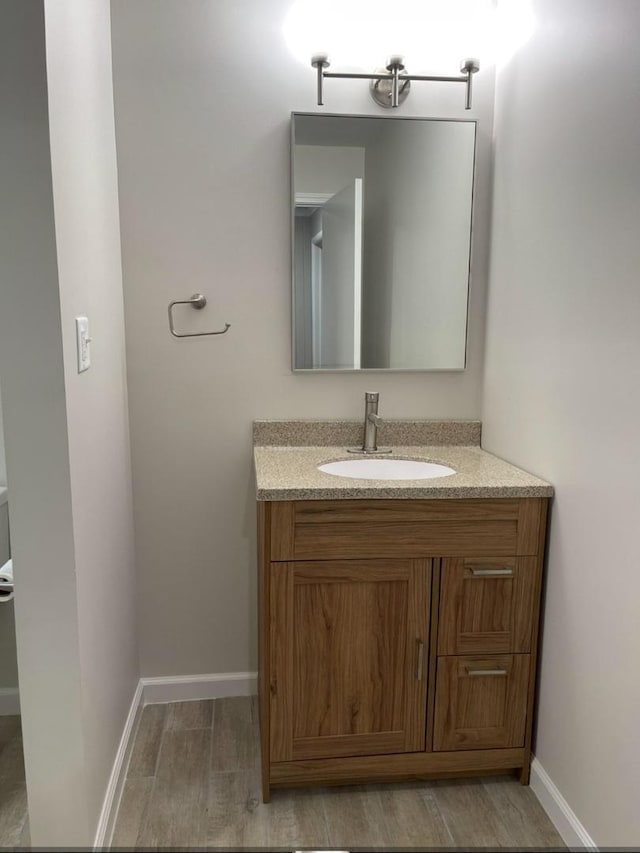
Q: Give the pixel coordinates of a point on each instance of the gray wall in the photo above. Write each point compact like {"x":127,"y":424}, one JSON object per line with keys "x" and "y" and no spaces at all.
{"x":85,"y":192}
{"x":35,"y":425}
{"x":3,"y":464}
{"x":9,"y":660}
{"x":66,"y":435}
{"x":563,"y":372}
{"x":203,"y":98}
{"x":326,"y":169}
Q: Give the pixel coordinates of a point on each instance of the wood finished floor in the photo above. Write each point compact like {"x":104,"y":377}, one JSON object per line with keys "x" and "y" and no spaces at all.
{"x":14,"y":820}
{"x":194,"y":781}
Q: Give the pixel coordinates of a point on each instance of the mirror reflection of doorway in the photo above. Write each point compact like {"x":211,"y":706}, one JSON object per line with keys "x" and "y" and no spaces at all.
{"x":328,"y":262}
{"x":316,"y":298}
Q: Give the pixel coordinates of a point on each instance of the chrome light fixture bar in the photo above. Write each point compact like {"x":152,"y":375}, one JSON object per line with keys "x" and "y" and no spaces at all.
{"x":390,"y":87}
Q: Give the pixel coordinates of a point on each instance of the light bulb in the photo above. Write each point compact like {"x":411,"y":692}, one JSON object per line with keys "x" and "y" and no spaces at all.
{"x":431,"y":35}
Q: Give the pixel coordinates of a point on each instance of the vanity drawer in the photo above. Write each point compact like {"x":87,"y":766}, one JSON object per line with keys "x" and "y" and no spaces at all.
{"x":481,"y":702}
{"x":352,"y":529}
{"x":487,"y":604}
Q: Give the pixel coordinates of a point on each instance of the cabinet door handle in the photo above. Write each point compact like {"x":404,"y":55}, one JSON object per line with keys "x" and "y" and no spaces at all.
{"x":477,"y":572}
{"x":497,"y":671}
{"x":419,"y":659}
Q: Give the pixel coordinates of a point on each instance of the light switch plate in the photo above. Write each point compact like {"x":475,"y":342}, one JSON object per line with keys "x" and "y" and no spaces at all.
{"x":84,"y":341}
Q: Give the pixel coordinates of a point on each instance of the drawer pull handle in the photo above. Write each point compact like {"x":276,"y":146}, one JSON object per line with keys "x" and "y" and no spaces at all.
{"x":498,"y":671}
{"x":419,"y":659}
{"x":491,"y":573}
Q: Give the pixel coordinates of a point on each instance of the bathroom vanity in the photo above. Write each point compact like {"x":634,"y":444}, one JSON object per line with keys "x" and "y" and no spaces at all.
{"x":398,"y":620}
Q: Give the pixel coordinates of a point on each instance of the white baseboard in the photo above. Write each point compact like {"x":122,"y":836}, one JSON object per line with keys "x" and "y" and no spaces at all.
{"x":9,"y":701}
{"x":560,"y":812}
{"x":113,"y":795}
{"x":184,"y":688}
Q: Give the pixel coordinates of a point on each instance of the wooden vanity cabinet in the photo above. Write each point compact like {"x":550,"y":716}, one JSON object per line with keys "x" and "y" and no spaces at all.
{"x":397,"y":638}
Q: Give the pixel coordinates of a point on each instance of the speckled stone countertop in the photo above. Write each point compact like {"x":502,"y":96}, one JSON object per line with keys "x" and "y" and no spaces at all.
{"x":286,"y":473}
{"x":334,"y":433}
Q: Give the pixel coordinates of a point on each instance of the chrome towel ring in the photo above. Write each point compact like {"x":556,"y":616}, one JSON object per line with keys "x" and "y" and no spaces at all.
{"x":196,"y":301}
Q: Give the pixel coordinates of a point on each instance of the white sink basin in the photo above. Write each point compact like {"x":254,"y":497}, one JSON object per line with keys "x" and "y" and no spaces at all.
{"x":386,"y":469}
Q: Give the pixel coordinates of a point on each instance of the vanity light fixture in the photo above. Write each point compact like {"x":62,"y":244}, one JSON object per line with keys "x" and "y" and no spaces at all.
{"x":390,"y":87}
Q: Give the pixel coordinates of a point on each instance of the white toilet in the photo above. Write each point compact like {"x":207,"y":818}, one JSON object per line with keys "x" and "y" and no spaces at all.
{"x":6,"y":565}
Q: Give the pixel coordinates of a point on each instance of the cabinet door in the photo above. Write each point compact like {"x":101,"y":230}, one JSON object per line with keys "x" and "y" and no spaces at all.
{"x":487,"y":604}
{"x":348,"y":657}
{"x":481,"y":703}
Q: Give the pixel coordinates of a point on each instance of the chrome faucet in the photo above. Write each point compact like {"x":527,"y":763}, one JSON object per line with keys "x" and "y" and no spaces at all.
{"x":372,"y":421}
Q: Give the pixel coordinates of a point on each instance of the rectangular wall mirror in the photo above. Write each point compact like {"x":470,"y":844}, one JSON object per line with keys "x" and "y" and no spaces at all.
{"x":381,"y":224}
